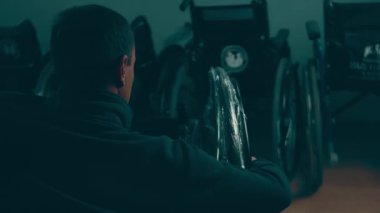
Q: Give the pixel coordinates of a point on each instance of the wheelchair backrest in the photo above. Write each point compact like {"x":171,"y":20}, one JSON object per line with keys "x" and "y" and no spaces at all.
{"x":352,"y":34}
{"x":20,"y":56}
{"x":232,"y":29}
{"x":19,"y":45}
{"x":145,"y":52}
{"x":230,"y":23}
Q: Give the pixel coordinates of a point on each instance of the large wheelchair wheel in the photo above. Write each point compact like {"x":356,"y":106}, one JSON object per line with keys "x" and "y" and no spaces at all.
{"x":225,"y":115}
{"x":310,"y":137}
{"x":285,"y":118}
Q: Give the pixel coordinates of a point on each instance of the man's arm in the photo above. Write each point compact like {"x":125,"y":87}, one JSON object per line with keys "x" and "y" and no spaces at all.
{"x":216,"y":187}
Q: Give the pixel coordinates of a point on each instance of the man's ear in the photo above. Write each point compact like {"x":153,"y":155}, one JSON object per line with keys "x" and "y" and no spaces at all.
{"x":123,"y":69}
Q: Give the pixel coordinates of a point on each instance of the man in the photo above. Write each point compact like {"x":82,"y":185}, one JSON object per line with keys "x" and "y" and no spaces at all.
{"x":75,"y":153}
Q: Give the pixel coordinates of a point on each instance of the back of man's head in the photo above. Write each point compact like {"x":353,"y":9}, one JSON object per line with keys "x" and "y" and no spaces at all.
{"x":88,"y":44}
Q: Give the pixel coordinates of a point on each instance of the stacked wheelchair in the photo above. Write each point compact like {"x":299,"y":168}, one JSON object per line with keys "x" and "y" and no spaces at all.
{"x":222,"y":62}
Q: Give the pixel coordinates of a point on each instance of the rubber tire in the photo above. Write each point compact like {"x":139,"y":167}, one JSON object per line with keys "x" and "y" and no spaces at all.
{"x":285,"y":144}
{"x":310,"y":138}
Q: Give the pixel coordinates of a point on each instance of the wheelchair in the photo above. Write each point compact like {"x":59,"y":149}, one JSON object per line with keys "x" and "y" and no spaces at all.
{"x":347,"y":60}
{"x":20,"y":57}
{"x":276,"y":94}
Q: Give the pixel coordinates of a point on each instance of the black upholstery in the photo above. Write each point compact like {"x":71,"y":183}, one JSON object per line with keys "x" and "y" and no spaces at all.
{"x":20,"y":57}
{"x":352,"y":34}
{"x":145,"y":52}
{"x":245,"y":27}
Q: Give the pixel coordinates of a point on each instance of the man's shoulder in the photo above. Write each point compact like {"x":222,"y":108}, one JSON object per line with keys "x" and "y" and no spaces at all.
{"x":14,"y":97}
{"x":17,"y":104}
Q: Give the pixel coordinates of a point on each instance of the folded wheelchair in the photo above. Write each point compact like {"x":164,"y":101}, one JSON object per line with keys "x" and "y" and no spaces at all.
{"x":348,"y":59}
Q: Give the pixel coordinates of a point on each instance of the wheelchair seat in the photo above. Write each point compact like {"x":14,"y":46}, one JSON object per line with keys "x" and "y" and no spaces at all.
{"x":20,"y":57}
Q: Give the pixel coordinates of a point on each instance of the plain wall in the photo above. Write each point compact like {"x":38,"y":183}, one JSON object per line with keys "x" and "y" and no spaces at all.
{"x":165,"y":17}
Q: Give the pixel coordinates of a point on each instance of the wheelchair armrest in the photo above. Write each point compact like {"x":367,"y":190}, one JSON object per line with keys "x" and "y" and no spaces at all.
{"x":313,"y":30}
{"x":281,"y":38}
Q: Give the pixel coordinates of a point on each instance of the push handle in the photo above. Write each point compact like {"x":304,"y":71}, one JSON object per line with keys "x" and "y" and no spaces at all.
{"x":313,"y":30}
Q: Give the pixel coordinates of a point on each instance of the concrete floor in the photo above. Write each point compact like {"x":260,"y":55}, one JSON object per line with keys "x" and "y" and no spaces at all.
{"x":353,"y":185}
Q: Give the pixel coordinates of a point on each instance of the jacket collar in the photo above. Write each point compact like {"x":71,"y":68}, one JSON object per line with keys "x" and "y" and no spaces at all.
{"x":99,"y":106}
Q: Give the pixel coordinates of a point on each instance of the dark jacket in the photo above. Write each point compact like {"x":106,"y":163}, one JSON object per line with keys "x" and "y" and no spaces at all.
{"x":82,"y":157}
